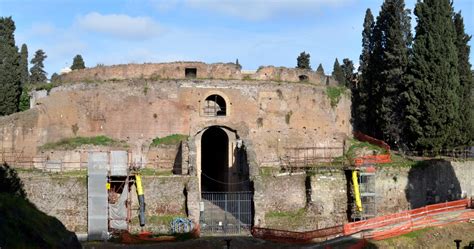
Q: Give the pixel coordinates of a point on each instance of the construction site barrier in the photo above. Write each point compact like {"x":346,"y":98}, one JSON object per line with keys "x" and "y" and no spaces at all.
{"x":372,"y":159}
{"x":366,"y":138}
{"x":392,"y":225}
{"x":297,"y":237}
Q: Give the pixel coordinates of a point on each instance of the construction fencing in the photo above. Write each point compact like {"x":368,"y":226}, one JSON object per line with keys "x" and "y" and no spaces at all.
{"x":392,"y":225}
{"x":297,"y":237}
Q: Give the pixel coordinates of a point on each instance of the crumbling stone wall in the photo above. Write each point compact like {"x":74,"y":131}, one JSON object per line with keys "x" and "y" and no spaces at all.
{"x":432,"y":182}
{"x":64,"y":197}
{"x":176,"y":70}
{"x":271,"y":116}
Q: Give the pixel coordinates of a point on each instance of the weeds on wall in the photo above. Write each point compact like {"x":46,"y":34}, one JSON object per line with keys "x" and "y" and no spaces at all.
{"x":288,"y":117}
{"x":76,"y":142}
{"x":173,"y":139}
{"x":335,"y":93}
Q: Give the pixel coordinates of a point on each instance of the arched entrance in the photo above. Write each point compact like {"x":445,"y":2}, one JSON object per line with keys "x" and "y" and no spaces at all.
{"x":226,"y":200}
{"x":214,"y":160}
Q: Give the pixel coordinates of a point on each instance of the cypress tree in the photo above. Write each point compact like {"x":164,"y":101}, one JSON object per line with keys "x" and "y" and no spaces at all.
{"x":432,"y":108}
{"x":466,"y":83}
{"x":389,"y":63}
{"x":348,"y":71}
{"x":320,"y":69}
{"x":338,"y":74}
{"x":38,"y":75}
{"x":24,"y":65}
{"x":362,"y":89}
{"x":303,"y":61}
{"x":78,"y":63}
{"x":10,"y":81}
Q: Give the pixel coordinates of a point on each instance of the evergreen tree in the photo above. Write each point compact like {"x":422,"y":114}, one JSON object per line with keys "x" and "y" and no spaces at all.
{"x":338,"y":74}
{"x":320,"y":69}
{"x":25,"y":76}
{"x":54,"y":78}
{"x":238,"y":64}
{"x":361,"y":91}
{"x":78,"y":63}
{"x":10,"y":80}
{"x":24,"y":100}
{"x":38,"y":75}
{"x":466,"y":83}
{"x":388,"y":66}
{"x":432,"y":109}
{"x":348,"y":70}
{"x":303,"y":61}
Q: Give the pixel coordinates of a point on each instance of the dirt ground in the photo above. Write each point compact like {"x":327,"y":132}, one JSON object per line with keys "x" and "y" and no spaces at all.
{"x":219,"y":243}
{"x":440,"y":237}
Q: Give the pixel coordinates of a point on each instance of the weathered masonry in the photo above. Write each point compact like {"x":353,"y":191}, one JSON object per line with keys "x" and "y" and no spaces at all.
{"x":236,"y":132}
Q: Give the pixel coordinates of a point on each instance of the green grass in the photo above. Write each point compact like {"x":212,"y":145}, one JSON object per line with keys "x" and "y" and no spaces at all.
{"x":173,"y":139}
{"x":45,"y":86}
{"x":155,"y":172}
{"x":417,"y":233}
{"x":76,"y":142}
{"x":357,"y":146}
{"x":267,"y":171}
{"x":286,"y":214}
{"x":335,"y":93}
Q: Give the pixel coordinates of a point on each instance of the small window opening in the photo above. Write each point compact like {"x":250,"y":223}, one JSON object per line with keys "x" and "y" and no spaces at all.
{"x":190,"y":73}
{"x":214,"y":106}
{"x":303,"y":77}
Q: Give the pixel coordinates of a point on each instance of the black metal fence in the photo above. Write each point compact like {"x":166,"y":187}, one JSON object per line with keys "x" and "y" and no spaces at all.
{"x":228,"y":213}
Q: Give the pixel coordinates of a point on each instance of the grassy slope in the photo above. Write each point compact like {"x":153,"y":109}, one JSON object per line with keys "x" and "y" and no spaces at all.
{"x":437,"y":237}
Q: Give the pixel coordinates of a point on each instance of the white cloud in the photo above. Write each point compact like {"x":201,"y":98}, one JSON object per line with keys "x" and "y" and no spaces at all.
{"x":121,"y":26}
{"x":255,"y":10}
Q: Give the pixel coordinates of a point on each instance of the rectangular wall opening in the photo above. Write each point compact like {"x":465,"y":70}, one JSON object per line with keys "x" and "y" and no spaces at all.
{"x":190,"y":73}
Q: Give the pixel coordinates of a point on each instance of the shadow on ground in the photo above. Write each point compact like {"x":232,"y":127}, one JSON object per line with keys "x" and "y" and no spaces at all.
{"x":236,"y":243}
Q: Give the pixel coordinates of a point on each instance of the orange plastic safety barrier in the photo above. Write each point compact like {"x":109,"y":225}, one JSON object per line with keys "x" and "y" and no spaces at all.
{"x":366,"y":138}
{"x":372,"y":159}
{"x":392,"y":225}
{"x":296,"y":237}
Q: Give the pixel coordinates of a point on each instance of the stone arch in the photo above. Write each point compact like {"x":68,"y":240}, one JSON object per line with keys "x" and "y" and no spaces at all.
{"x":215,"y":104}
{"x":234,"y":143}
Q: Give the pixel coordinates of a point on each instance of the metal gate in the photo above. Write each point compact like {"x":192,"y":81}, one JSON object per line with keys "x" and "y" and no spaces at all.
{"x":226,"y":213}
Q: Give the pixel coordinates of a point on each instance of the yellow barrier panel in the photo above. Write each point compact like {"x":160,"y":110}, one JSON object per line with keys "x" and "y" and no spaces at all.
{"x":138,"y":182}
{"x":356,"y":191}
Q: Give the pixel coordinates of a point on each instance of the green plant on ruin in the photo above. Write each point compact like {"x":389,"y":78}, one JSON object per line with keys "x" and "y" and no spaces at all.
{"x":43,"y":86}
{"x":335,"y":93}
{"x":155,"y":172}
{"x":288,"y":117}
{"x":172,"y":139}
{"x":75,"y":129}
{"x":145,"y":89}
{"x":357,"y":146}
{"x":76,"y":142}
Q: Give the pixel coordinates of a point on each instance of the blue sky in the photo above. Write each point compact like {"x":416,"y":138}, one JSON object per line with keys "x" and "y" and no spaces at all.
{"x":257,"y":32}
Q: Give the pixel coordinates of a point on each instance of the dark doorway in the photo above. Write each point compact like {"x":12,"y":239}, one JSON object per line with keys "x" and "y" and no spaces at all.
{"x":303,"y":78}
{"x":190,"y":73}
{"x":214,"y":160}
